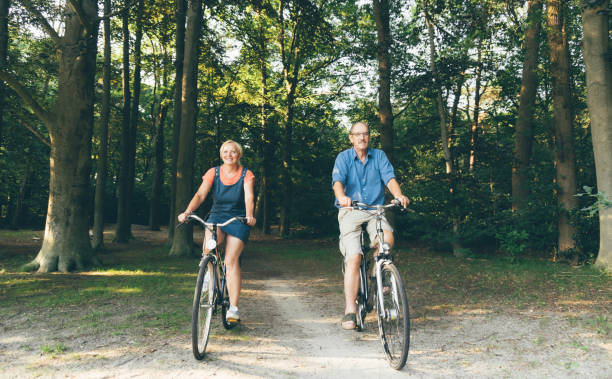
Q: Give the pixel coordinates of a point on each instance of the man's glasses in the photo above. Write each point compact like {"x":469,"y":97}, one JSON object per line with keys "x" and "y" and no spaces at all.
{"x":365,"y":134}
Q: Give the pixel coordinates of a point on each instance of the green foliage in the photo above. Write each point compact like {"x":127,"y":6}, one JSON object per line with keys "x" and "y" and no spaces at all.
{"x":512,"y":241}
{"x":601,"y":200}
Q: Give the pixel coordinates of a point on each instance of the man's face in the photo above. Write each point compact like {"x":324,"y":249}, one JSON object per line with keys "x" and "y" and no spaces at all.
{"x":360,"y":137}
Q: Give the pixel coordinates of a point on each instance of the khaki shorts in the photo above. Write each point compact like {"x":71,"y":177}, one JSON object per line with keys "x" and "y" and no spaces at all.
{"x":350,"y":221}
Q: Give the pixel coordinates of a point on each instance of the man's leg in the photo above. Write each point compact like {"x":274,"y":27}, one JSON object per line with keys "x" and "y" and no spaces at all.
{"x":351,"y":283}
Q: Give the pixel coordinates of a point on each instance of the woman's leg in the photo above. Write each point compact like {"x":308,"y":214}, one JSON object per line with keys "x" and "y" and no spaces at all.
{"x":233,"y":249}
{"x":208,"y":235}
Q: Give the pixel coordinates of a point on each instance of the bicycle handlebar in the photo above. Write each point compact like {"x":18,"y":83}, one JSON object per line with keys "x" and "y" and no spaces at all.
{"x":204,"y":223}
{"x":394,"y":203}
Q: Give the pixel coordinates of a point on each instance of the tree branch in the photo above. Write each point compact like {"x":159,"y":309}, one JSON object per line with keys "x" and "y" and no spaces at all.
{"x":34,"y":131}
{"x":45,"y":116}
{"x":27,"y":4}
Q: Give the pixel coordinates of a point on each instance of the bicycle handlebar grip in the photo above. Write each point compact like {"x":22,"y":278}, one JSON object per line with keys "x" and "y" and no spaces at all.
{"x":354,"y":203}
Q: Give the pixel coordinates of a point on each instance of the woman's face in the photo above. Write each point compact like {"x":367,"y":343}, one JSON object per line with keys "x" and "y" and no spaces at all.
{"x":230,"y":154}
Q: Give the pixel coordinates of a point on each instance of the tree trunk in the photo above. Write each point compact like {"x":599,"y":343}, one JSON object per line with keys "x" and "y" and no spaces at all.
{"x":122,"y":228}
{"x":98,"y":226}
{"x":599,"y":99}
{"x":158,"y":171}
{"x":385,"y":111}
{"x":266,"y":149}
{"x":443,"y":114}
{"x":178,"y":90}
{"x":17,"y":212}
{"x":565,"y":160}
{"x":182,"y":243}
{"x":4,"y":39}
{"x":135,"y":114}
{"x":66,"y":242}
{"x":291,"y":61}
{"x":475,"y":120}
{"x":523,"y":135}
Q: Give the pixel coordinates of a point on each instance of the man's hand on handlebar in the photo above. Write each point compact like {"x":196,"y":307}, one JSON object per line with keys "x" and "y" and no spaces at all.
{"x":345,"y":201}
{"x":403,"y":200}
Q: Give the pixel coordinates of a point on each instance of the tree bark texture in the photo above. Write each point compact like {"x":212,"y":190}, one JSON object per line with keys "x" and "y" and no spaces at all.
{"x":523,"y":135}
{"x":181,"y":6}
{"x":98,"y":226}
{"x":385,"y":111}
{"x":565,"y":160}
{"x":182,"y":243}
{"x":596,"y":45}
{"x":122,"y":228}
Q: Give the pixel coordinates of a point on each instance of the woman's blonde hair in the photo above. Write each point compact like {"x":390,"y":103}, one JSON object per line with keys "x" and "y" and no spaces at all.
{"x":236,"y":144}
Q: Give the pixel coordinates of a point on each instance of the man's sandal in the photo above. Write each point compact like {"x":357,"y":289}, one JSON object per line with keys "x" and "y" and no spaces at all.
{"x":349,"y":321}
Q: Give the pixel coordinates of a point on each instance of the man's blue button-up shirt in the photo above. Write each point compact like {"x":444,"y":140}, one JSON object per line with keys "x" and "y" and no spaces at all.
{"x":364,"y":182}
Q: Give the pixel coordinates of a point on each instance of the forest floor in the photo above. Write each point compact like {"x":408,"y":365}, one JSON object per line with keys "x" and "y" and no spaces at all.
{"x":131,"y":318}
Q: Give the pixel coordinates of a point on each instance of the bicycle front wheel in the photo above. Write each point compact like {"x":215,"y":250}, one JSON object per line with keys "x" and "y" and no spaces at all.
{"x":203,"y":305}
{"x":394,"y":318}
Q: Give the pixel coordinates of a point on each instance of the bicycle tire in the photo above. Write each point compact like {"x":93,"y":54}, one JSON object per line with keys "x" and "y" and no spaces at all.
{"x":203,"y":307}
{"x":225,"y":304}
{"x":394,"y":319}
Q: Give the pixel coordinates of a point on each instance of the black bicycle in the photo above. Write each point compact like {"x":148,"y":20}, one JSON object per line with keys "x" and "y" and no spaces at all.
{"x":385,"y":291}
{"x":210,"y":290}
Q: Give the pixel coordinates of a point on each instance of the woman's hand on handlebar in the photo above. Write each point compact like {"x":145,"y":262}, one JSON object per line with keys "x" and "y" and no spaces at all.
{"x":183,"y":216}
{"x":250,"y":220}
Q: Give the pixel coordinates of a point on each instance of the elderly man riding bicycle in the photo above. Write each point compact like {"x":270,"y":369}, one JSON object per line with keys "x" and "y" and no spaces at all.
{"x":360,"y":173}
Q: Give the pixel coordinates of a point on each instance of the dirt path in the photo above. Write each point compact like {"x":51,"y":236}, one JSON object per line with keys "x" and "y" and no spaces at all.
{"x":291,"y":329}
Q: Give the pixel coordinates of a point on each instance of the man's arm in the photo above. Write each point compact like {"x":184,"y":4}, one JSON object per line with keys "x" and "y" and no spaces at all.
{"x":343,"y":200}
{"x":396,"y":191}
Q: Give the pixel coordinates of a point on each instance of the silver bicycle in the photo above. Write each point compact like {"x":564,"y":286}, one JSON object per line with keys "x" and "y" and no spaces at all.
{"x":385,"y":291}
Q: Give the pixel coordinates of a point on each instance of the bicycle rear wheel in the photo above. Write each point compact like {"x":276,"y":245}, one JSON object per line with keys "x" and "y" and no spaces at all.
{"x":394,"y":318}
{"x":203,"y":305}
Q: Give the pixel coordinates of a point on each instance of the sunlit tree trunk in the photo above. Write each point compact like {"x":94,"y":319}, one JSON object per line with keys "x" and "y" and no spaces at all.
{"x":178,"y":90}
{"x":182,"y":242}
{"x":595,"y":23}
{"x":385,"y":111}
{"x":523,"y":135}
{"x":565,"y":160}
{"x":266,"y":148}
{"x":122,"y":227}
{"x":98,"y":226}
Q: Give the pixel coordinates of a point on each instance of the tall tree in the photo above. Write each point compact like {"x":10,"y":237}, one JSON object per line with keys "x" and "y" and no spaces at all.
{"x":135,"y":112}
{"x":565,"y":159}
{"x":4,"y":41}
{"x":122,"y":227}
{"x":523,"y":135}
{"x":182,"y":242}
{"x":385,"y":111}
{"x":66,"y":242}
{"x":596,"y":45}
{"x":181,"y":6}
{"x":98,"y":226}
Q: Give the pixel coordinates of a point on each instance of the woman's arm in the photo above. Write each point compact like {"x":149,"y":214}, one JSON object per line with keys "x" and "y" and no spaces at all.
{"x":249,"y":201}
{"x":197,"y":200}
